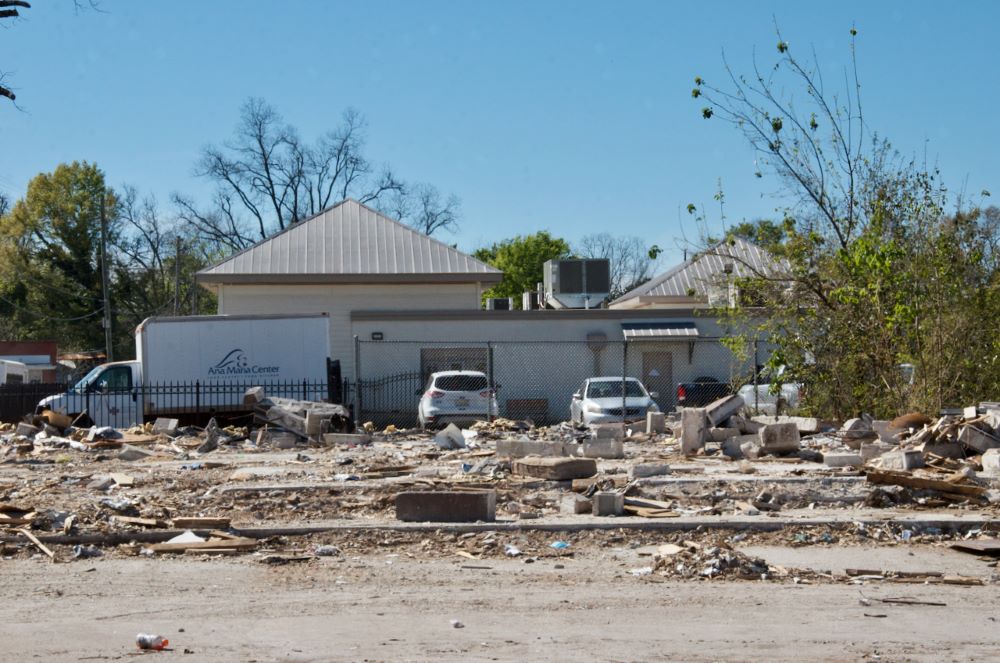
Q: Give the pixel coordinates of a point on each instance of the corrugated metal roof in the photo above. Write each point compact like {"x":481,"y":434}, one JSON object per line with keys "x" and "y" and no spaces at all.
{"x":703,"y":271}
{"x":657,"y":330}
{"x":349,"y":242}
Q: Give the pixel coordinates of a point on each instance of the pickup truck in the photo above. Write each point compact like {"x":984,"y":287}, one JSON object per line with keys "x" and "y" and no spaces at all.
{"x":701,"y":392}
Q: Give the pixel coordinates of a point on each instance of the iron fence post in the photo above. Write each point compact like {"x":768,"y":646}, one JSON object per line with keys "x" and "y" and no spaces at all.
{"x":197,"y":398}
{"x":492,"y":381}
{"x":756,"y":393}
{"x":357,"y":379}
{"x":624,"y":372}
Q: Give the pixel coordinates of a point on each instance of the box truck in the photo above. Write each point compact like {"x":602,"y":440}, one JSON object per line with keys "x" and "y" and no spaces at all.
{"x":193,"y":368}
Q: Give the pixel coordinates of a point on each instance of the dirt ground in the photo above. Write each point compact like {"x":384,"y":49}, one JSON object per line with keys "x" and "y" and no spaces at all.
{"x":396,"y":605}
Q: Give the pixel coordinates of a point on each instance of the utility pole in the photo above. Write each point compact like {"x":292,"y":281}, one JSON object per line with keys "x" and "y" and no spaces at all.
{"x":177,"y":276}
{"x":108,"y":351}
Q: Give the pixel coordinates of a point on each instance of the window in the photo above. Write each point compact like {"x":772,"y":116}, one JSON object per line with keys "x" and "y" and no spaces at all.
{"x":461,"y":383}
{"x":116,"y":378}
{"x":613,"y":389}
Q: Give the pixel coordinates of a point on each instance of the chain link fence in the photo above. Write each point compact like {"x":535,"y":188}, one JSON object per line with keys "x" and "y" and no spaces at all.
{"x":542,"y":380}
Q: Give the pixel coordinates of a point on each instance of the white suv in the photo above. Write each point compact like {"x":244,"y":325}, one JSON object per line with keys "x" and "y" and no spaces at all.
{"x":452,"y":396}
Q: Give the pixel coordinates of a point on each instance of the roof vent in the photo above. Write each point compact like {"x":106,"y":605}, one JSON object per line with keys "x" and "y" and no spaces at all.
{"x":577,"y":283}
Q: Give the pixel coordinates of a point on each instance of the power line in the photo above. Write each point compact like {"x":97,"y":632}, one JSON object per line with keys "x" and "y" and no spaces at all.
{"x":50,"y":318}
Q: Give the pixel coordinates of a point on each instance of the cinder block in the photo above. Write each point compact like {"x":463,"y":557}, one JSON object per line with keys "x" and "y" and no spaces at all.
{"x":903,"y":459}
{"x":721,"y":434}
{"x":991,"y":463}
{"x":857,"y":428}
{"x":27,"y":430}
{"x":608,"y":503}
{"x":600,"y":449}
{"x":842,"y":459}
{"x":871,"y":450}
{"x":656,"y":422}
{"x":555,"y":469}
{"x":780,"y":438}
{"x":733,"y":447}
{"x":976,"y":439}
{"x":720,"y":410}
{"x":643,"y":470}
{"x":447,"y":506}
{"x":576,"y":504}
{"x":607,"y":431}
{"x":694,"y":429}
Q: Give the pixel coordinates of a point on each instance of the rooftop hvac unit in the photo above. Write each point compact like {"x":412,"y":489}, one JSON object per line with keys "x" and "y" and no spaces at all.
{"x":500,"y":304}
{"x":577,"y":283}
{"x":530,"y":300}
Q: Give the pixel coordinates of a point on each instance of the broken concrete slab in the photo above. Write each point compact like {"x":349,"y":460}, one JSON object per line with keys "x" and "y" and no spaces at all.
{"x":347,"y":439}
{"x":752,"y":448}
{"x":27,"y":430}
{"x":100,"y":483}
{"x":977,"y":439}
{"x":806,"y":425}
{"x":645,"y":470}
{"x":902,"y":460}
{"x":576,"y":504}
{"x":694,"y":429}
{"x":733,"y":447}
{"x":555,"y":469}
{"x":943,"y":449}
{"x":165,"y":426}
{"x":608,"y":503}
{"x":718,"y":411}
{"x":842,"y":459}
{"x":780,"y":438}
{"x":129,"y":452}
{"x":447,"y":506}
{"x":746,"y":426}
{"x":656,"y":422}
{"x":857,"y":429}
{"x":526,"y":447}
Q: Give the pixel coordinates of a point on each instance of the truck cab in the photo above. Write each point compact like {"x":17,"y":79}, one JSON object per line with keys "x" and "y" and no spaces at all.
{"x":109,"y":394}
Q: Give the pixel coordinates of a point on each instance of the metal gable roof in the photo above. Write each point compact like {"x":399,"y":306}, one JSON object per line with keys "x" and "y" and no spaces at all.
{"x":702,"y":271}
{"x":349,"y":242}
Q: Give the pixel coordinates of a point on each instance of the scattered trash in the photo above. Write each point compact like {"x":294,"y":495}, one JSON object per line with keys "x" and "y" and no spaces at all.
{"x":511,"y":550}
{"x":151,"y":641}
{"x":457,"y":624}
{"x":86,"y":552}
{"x":559,"y":545}
{"x":327,"y":551}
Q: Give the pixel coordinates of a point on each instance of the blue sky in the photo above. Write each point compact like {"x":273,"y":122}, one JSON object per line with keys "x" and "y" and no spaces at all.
{"x":574,"y":117}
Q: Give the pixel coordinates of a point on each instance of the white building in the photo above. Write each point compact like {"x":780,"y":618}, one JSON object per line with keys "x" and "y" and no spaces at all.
{"x":402,"y":304}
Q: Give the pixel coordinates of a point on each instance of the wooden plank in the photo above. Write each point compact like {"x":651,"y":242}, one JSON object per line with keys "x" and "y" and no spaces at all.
{"x":886,"y":477}
{"x":645,"y":512}
{"x":648,"y":503}
{"x":212,"y":551}
{"x":228,"y":544}
{"x":981,"y":547}
{"x":582,"y":485}
{"x":41,"y":546}
{"x":141,"y":522}
{"x":200,"y":523}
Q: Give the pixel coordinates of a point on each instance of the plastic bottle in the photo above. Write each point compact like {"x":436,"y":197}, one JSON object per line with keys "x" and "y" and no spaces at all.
{"x":151,"y":641}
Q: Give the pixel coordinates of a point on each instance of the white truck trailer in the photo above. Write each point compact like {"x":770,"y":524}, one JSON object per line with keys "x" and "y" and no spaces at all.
{"x":194,"y":367}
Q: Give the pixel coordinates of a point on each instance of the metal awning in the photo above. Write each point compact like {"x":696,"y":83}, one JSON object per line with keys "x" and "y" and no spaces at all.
{"x":658,"y":330}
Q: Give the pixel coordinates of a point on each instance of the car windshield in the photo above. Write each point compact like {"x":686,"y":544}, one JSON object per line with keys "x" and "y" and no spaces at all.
{"x":85,"y":381}
{"x":461,"y":383}
{"x":611,"y":389}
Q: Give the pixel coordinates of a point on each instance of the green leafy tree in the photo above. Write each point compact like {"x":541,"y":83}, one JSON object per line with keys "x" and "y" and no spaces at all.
{"x":521,"y":259}
{"x":50,"y":283}
{"x":873,"y":274}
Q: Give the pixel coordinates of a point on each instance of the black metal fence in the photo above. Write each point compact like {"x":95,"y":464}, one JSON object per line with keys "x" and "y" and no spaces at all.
{"x":538,"y":380}
{"x":190,"y":402}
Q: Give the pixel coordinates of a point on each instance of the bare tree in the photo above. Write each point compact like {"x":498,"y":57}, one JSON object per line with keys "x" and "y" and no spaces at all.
{"x":424,"y":209}
{"x":4,"y":203}
{"x":9,"y":9}
{"x":268,"y":178}
{"x":631,"y":260}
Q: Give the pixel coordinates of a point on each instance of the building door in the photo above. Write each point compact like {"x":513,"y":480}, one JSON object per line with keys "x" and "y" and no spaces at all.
{"x":658,"y":376}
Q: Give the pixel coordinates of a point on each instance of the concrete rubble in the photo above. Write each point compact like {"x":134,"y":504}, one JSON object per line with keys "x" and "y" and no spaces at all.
{"x":299,"y":469}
